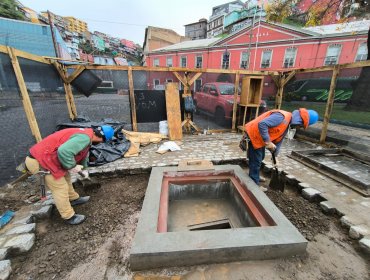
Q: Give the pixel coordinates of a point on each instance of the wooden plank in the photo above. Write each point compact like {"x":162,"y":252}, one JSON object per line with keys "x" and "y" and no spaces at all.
{"x":235,"y":100}
{"x":289,"y":77}
{"x":27,"y":105}
{"x":276,"y":79}
{"x":3,"y":49}
{"x":132,"y":99}
{"x":329,"y":104}
{"x":75,"y":74}
{"x":173,"y":111}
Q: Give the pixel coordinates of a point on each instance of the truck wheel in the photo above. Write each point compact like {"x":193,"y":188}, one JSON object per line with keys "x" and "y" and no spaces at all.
{"x":220,"y":116}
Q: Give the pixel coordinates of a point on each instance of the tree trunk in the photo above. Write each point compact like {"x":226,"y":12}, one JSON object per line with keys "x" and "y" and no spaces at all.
{"x":360,"y":99}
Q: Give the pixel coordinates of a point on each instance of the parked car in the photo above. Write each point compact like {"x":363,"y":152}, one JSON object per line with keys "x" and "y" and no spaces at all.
{"x":217,"y":99}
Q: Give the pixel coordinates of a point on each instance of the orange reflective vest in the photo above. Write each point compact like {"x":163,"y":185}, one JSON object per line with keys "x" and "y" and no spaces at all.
{"x":276,"y":133}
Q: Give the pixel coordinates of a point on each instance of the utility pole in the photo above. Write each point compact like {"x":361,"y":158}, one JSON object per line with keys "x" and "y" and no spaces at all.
{"x":53,"y":34}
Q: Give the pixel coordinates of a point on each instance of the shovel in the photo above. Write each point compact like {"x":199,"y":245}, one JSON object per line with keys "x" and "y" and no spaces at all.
{"x":275,"y":182}
{"x":87,"y":182}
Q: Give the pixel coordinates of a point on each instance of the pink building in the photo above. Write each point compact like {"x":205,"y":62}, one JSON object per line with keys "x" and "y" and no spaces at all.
{"x":270,"y":46}
{"x":267,"y":47}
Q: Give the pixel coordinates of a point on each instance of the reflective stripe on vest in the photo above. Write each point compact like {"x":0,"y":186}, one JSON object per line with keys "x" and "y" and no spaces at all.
{"x":276,"y":133}
{"x":46,"y":151}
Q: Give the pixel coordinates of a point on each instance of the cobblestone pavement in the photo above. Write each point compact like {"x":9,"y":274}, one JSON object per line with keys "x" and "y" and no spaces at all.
{"x":353,"y":208}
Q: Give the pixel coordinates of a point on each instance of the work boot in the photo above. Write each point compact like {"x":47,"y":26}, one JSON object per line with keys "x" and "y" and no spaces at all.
{"x":76,"y":219}
{"x":262,"y":188}
{"x":80,"y":200}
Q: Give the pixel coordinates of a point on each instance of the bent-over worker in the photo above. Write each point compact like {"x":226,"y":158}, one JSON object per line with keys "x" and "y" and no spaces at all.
{"x":268,"y":131}
{"x":63,"y":152}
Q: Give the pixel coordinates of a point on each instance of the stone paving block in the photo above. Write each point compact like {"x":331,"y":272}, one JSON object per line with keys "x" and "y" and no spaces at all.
{"x":2,"y":240}
{"x":346,"y":222}
{"x":43,"y":213}
{"x":5,"y":269}
{"x":19,"y":244}
{"x":3,"y":253}
{"x":310,"y":193}
{"x":365,"y":244}
{"x":327,"y":208}
{"x":357,"y":232}
{"x":26,"y":219}
{"x":28,"y":228}
{"x":304,"y":185}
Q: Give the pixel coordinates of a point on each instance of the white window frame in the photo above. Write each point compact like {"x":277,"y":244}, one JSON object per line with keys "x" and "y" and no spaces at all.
{"x":186,"y":61}
{"x":331,"y":60}
{"x":159,"y":82}
{"x":241,"y":60}
{"x":195,"y":84}
{"x":201,"y":56}
{"x":222,"y":60}
{"x":270,"y":60}
{"x":169,"y":57}
{"x":154,"y":62}
{"x":294,"y":57}
{"x":363,"y":56}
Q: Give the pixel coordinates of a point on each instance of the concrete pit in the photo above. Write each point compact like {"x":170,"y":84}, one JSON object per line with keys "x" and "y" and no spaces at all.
{"x":202,"y":217}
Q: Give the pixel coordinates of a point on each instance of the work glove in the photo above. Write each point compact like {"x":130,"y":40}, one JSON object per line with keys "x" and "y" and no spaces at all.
{"x":270,"y":146}
{"x":76,"y":169}
{"x":85,"y":174}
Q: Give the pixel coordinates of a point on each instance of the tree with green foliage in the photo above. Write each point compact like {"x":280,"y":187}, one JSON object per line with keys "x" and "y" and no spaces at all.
{"x":321,"y":11}
{"x":9,"y":9}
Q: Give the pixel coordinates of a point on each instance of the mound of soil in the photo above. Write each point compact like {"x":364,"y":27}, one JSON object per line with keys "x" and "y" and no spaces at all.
{"x":60,"y":247}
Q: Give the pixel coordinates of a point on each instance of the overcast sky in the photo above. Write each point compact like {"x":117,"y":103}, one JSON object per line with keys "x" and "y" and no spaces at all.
{"x":128,"y":18}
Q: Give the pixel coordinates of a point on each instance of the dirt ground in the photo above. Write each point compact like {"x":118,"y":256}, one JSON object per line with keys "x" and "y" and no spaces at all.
{"x":99,"y":248}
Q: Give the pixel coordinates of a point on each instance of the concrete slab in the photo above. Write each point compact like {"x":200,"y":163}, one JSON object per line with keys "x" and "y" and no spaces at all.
{"x":151,"y":249}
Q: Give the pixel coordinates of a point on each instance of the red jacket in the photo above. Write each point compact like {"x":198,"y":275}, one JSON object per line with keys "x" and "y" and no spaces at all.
{"x":276,"y":133}
{"x":46,"y":151}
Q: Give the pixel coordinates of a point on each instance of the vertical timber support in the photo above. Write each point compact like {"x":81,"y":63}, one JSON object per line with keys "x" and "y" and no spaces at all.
{"x":280,"y":83}
{"x":27,"y":105}
{"x":329,"y":104}
{"x":132,"y":99}
{"x":235,"y":101}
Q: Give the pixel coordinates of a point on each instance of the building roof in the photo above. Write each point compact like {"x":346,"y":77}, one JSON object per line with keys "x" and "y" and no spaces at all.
{"x":347,"y":27}
{"x":189,"y":45}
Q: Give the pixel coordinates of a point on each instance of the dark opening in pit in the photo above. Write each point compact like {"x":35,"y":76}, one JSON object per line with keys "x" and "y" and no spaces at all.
{"x":220,"y":224}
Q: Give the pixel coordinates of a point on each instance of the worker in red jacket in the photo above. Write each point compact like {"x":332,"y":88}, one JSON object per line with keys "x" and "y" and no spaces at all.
{"x":269,"y":130}
{"x":63,"y":152}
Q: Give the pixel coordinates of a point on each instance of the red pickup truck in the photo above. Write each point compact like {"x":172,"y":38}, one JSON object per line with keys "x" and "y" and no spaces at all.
{"x":217,"y":99}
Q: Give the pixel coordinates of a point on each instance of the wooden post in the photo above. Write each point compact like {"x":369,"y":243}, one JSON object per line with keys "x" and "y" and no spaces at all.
{"x":27,"y":105}
{"x":70,"y":101}
{"x":235,"y":100}
{"x":281,"y":82}
{"x":329,"y":104}
{"x":173,"y":111}
{"x":132,"y":99}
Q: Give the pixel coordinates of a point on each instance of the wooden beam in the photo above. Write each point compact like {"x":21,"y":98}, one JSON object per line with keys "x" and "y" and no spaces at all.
{"x":70,"y":101}
{"x":289,"y":77}
{"x":27,"y":105}
{"x":276,"y":79}
{"x":30,"y":56}
{"x":3,"y":49}
{"x":61,"y":73}
{"x":235,"y":100}
{"x":176,"y":69}
{"x":75,"y":74}
{"x":181,"y":79}
{"x":194,"y":78}
{"x":132,"y":99}
{"x":329,"y":104}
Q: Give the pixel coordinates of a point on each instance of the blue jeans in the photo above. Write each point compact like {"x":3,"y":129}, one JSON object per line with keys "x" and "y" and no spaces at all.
{"x":255,"y":157}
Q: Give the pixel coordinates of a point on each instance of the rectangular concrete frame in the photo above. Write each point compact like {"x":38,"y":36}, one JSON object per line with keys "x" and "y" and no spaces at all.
{"x":151,"y":249}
